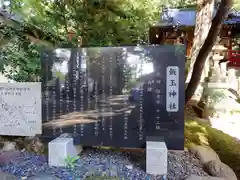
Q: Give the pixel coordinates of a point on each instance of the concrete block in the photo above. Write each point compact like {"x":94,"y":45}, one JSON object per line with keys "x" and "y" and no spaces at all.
{"x":59,"y":149}
{"x":156,"y":158}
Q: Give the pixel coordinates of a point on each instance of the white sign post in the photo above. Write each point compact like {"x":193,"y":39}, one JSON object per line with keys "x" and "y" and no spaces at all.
{"x":20,"y":109}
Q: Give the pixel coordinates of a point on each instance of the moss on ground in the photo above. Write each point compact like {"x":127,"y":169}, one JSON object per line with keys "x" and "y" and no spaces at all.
{"x":226,"y":146}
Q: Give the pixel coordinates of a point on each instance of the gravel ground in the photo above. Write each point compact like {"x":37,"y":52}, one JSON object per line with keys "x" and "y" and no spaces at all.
{"x":128,"y":166}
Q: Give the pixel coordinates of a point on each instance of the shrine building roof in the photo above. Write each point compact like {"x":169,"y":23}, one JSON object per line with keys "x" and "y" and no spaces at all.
{"x":187,"y":16}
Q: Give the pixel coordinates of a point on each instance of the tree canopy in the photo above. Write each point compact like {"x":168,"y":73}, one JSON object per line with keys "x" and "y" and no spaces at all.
{"x":97,"y":22}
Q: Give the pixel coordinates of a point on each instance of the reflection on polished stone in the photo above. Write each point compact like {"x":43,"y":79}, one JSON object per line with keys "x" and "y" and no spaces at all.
{"x":112,"y":95}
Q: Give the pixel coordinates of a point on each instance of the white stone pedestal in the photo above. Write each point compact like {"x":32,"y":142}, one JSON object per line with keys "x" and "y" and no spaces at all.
{"x":59,"y":149}
{"x":156,"y":158}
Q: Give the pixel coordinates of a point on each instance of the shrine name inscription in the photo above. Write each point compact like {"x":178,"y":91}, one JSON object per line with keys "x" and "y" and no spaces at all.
{"x":115,"y":96}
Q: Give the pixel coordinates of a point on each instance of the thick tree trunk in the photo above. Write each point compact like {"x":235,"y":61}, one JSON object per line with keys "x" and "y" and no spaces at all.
{"x":206,"y":47}
{"x":203,"y":23}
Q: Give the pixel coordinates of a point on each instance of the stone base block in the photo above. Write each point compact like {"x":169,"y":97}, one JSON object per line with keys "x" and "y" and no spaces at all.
{"x":156,"y":157}
{"x":59,"y":149}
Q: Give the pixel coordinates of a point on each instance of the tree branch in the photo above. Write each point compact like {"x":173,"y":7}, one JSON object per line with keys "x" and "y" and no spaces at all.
{"x":63,"y":9}
{"x":28,"y":29}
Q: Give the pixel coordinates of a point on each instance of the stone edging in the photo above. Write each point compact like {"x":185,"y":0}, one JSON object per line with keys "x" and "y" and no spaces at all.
{"x":212,"y":163}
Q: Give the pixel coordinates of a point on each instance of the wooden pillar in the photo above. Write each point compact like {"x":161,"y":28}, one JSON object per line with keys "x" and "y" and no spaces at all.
{"x":229,"y":45}
{"x":189,"y":38}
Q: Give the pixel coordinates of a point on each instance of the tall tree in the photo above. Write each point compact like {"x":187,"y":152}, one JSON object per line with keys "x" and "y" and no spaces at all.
{"x":208,"y":43}
{"x":205,"y":9}
{"x":99,"y":23}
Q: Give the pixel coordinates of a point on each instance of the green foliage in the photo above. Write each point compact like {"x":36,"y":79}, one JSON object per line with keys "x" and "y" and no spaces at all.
{"x":71,"y":161}
{"x":99,"y":23}
{"x":232,"y":112}
{"x":236,"y":5}
{"x":20,"y":60}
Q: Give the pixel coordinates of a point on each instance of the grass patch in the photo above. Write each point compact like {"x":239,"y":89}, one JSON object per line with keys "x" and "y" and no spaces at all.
{"x":226,"y":146}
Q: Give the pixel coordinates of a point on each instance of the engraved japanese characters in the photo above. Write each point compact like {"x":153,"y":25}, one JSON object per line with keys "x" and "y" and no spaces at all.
{"x":114,"y":96}
{"x":20,"y":109}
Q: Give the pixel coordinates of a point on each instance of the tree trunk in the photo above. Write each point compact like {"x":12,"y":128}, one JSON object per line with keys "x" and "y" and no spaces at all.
{"x":205,"y":45}
{"x":203,"y":23}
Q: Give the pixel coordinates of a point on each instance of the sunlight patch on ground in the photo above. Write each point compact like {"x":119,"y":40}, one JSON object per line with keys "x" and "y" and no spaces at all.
{"x":229,"y":124}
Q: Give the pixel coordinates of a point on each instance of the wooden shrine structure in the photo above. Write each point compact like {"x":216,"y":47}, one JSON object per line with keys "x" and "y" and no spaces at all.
{"x":177,"y":26}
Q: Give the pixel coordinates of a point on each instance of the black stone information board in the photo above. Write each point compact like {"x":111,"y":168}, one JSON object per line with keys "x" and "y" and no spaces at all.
{"x":114,"y":96}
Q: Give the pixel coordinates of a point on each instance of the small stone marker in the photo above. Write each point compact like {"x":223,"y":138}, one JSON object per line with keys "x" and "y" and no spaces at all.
{"x":59,"y":149}
{"x":156,"y":156}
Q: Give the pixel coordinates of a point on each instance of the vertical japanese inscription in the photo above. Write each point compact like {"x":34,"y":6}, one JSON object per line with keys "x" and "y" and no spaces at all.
{"x":61,"y":107}
{"x":96,"y":125}
{"x":141,"y":120}
{"x":101,"y":90}
{"x":67,"y":91}
{"x":82,"y":86}
{"x":172,"y":89}
{"x":110,"y":94}
{"x":158,"y":102}
{"x":88,"y":74}
{"x":46,"y":92}
{"x":54,"y":107}
{"x":124,"y":58}
{"x":103,"y":94}
{"x":74,"y":81}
